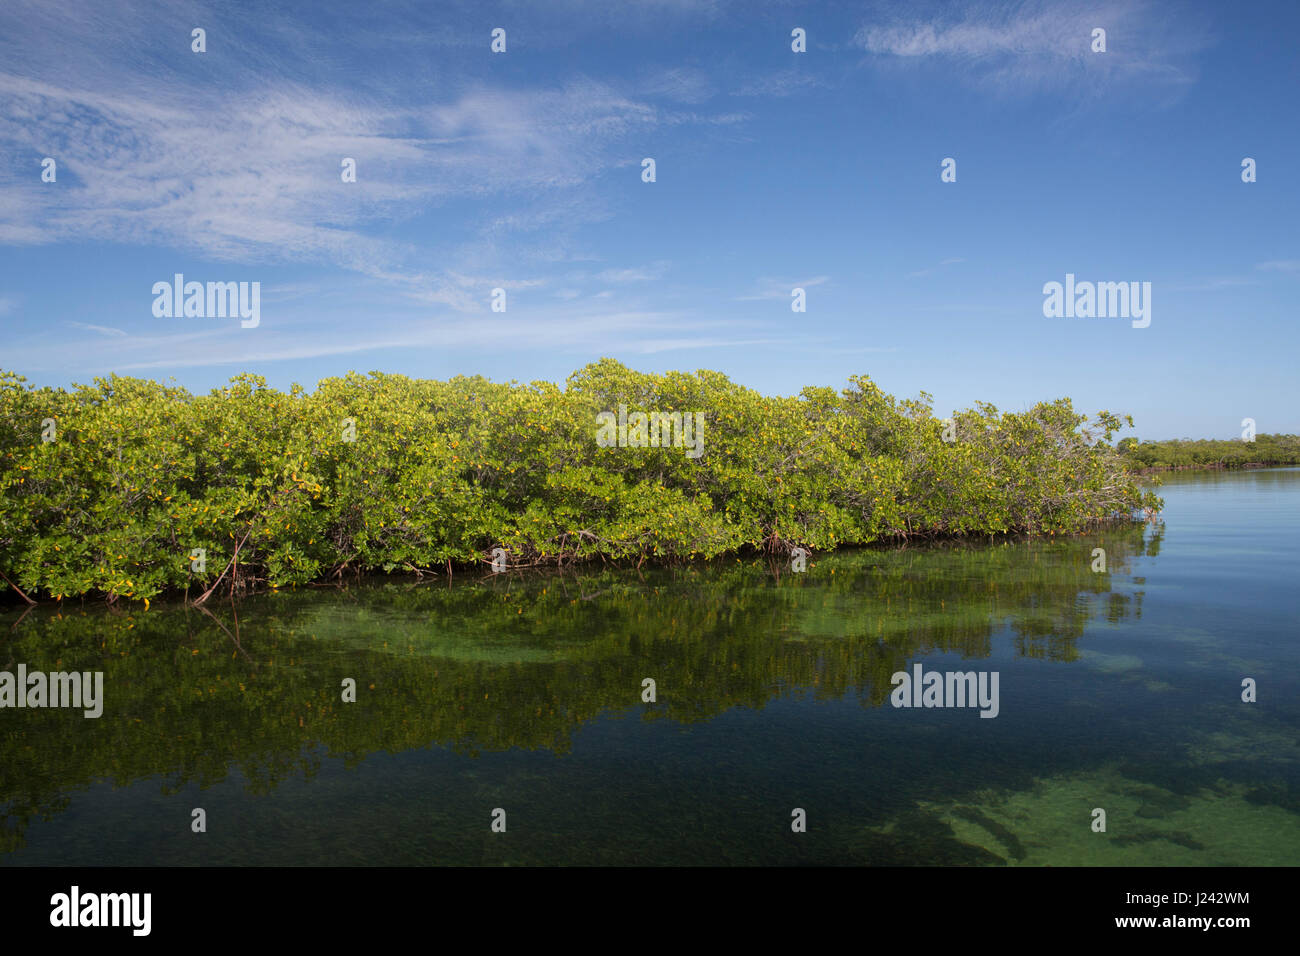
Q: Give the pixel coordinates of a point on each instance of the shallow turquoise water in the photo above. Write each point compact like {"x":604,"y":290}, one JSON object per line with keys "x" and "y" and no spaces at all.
{"x":1118,"y":690}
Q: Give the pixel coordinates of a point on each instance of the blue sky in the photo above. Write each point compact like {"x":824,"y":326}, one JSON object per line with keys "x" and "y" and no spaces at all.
{"x":775,"y":169}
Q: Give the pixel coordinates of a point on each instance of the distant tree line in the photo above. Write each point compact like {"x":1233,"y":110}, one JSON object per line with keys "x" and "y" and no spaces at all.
{"x":1212,"y":453}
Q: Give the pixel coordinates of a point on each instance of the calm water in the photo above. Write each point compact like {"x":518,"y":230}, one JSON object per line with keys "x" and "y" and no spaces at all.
{"x":1119,"y":690}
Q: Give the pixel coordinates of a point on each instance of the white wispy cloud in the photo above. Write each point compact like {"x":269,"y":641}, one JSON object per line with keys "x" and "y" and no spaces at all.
{"x":101,"y":329}
{"x":201,"y":343}
{"x":143,"y":172}
{"x":1280,"y":265}
{"x":1215,"y":283}
{"x":1218,"y":283}
{"x":641,"y":274}
{"x":651,"y":346}
{"x":781,"y":288}
{"x":681,"y":83}
{"x":933,"y":269}
{"x":789,"y":82}
{"x":243,"y":165}
{"x":1024,"y":45}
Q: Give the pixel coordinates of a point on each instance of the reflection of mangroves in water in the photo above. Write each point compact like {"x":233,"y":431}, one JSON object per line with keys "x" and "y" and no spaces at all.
{"x":518,"y":661}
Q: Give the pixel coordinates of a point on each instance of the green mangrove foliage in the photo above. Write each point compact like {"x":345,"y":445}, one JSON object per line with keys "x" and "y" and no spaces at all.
{"x":131,"y":488}
{"x":485,"y":664}
{"x":1212,"y":453}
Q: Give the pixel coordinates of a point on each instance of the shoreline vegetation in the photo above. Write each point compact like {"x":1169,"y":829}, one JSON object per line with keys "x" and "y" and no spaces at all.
{"x":1266,"y":451}
{"x":128,"y":489}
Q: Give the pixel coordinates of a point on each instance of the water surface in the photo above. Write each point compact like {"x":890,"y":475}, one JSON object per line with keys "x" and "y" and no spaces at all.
{"x":1119,"y":690}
